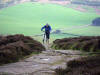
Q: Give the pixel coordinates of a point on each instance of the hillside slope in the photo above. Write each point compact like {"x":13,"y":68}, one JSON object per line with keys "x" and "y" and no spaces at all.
{"x":28,"y":18}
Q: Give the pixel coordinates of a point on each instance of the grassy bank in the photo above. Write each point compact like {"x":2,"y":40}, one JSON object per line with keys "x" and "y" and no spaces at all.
{"x":83,"y":43}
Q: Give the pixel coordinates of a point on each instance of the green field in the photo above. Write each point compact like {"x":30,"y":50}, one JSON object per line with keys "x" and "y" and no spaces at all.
{"x":28,"y":18}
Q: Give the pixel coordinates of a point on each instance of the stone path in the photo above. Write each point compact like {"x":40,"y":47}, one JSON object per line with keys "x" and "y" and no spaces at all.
{"x":41,"y":64}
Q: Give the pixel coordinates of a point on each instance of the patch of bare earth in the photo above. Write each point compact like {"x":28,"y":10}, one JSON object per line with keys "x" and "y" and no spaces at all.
{"x":97,"y":11}
{"x":55,"y":2}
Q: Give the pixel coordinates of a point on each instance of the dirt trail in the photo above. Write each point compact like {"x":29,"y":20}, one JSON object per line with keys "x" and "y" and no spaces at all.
{"x":75,"y":27}
{"x":42,"y":64}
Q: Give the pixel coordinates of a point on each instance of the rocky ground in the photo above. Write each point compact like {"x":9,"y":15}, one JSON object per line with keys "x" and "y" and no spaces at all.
{"x":41,"y":64}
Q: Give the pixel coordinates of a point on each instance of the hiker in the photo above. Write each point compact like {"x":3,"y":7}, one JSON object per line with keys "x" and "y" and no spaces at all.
{"x":47,"y":28}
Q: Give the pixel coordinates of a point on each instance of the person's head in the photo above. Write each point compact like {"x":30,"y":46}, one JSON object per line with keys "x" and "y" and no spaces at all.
{"x":47,"y":25}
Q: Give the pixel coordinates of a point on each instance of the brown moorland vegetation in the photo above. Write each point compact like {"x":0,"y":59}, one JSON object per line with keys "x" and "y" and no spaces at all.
{"x":85,"y":43}
{"x":14,"y":47}
{"x":83,"y":66}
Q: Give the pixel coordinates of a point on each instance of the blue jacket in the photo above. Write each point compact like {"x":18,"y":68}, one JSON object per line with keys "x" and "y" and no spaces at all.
{"x":46,"y":28}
